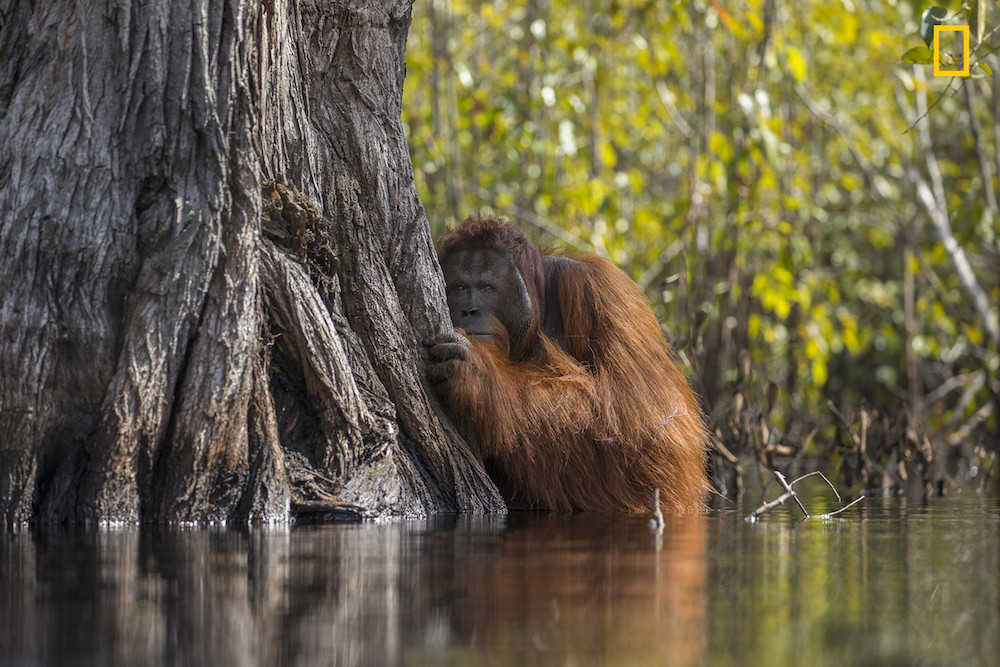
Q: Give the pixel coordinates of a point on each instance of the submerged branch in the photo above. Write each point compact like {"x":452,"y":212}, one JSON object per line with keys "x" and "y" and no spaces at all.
{"x":656,"y":523}
{"x":752,"y":517}
{"x":847,"y":506}
{"x":790,"y":493}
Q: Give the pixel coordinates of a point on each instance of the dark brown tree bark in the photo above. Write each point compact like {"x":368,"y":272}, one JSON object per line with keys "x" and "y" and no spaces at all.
{"x":214,"y":268}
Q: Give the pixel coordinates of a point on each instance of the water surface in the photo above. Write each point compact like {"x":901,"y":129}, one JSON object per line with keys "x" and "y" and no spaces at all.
{"x":891,"y":581}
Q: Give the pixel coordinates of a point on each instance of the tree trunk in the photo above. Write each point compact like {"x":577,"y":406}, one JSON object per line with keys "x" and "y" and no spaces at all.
{"x":214,"y":268}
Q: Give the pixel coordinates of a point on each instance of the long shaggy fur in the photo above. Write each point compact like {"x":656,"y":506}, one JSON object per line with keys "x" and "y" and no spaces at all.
{"x":595,"y":421}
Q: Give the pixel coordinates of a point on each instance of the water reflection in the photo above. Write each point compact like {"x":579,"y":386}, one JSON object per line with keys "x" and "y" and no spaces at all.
{"x":889,"y":582}
{"x":582,"y":589}
{"x":895,"y":582}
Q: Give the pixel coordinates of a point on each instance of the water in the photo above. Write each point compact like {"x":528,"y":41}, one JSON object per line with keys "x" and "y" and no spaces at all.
{"x":891,"y":581}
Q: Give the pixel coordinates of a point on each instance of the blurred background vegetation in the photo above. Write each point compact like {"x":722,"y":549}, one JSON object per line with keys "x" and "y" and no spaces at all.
{"x":823,"y":251}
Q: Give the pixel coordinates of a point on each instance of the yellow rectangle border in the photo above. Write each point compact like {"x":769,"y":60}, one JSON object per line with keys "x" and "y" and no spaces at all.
{"x":964,"y":29}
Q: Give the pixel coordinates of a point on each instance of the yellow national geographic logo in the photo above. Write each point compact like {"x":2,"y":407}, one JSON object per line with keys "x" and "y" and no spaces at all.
{"x":964,"y":29}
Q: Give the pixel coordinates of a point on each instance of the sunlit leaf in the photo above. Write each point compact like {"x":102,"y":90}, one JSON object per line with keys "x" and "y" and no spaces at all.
{"x":724,"y":15}
{"x":847,"y":33}
{"x":720,"y":146}
{"x":918,"y":55}
{"x":797,"y":64}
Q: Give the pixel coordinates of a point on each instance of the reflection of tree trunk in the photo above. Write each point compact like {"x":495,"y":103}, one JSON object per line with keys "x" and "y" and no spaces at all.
{"x":347,"y":595}
{"x":140,"y":150}
{"x":194,"y":597}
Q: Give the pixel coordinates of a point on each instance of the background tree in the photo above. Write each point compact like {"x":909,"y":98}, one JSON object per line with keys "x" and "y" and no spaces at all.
{"x":752,"y":164}
{"x":214,"y":268}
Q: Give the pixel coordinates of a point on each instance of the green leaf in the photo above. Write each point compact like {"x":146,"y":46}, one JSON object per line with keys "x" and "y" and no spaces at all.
{"x":918,"y":55}
{"x":931,"y":17}
{"x":986,"y":68}
{"x":986,"y":71}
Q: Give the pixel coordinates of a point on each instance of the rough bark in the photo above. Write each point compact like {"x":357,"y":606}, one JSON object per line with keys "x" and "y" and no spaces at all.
{"x":214,"y":268}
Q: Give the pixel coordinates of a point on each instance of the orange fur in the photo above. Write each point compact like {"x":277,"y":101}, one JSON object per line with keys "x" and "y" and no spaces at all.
{"x":597,"y":420}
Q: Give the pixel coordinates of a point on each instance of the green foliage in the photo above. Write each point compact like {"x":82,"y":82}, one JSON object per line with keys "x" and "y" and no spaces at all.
{"x":918,"y":55}
{"x":975,"y":17}
{"x":932,"y":16}
{"x":746,"y":162}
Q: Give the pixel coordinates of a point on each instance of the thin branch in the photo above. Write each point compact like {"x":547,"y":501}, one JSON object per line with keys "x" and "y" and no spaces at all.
{"x":682,"y":125}
{"x":847,"y":506}
{"x":964,"y":432}
{"x":828,"y":482}
{"x":977,"y":377}
{"x":986,"y":38}
{"x":788,"y":489}
{"x":927,"y":111}
{"x":939,"y":216}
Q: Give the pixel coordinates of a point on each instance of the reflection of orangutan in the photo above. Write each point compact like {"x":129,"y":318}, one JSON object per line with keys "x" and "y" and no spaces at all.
{"x":565,"y":377}
{"x":590,"y":590}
